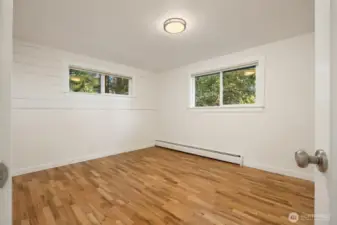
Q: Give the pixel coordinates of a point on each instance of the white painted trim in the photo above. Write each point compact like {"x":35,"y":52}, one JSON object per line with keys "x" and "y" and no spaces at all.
{"x":322,"y":114}
{"x":81,"y":108}
{"x":31,"y":169}
{"x":229,"y":108}
{"x":191,"y":92}
{"x":234,"y":64}
{"x":281,"y":171}
{"x":221,"y":89}
{"x":102,"y":85}
{"x":6,"y":71}
{"x":102,"y":72}
{"x":260,"y":81}
{"x":100,"y":94}
{"x":196,"y":151}
{"x":333,"y":151}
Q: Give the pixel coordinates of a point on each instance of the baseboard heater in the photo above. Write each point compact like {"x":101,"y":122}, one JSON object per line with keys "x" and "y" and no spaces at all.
{"x":223,"y":156}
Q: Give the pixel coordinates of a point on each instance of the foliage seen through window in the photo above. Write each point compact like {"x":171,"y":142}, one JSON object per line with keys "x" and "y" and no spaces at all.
{"x":84,"y":81}
{"x":96,"y":82}
{"x":207,"y":90}
{"x":238,"y":87}
{"x":116,"y":85}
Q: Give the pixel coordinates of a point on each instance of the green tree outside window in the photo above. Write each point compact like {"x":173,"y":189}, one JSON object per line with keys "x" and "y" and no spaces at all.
{"x":84,"y":81}
{"x":238,"y":85}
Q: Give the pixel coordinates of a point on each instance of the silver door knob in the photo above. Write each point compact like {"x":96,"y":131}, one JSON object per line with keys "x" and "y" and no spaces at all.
{"x":303,"y":159}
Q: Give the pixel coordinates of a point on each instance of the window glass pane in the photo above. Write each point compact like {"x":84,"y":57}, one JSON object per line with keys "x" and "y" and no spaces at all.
{"x":239,"y":86}
{"x":207,"y":90}
{"x":84,"y":81}
{"x":117,"y":85}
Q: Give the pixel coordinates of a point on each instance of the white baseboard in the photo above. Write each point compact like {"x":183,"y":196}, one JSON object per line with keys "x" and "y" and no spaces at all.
{"x":31,"y":169}
{"x":222,"y":156}
{"x":281,"y":171}
{"x":236,"y":160}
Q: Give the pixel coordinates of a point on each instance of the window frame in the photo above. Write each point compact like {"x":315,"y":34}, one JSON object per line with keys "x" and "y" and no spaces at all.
{"x":103,"y":74}
{"x":259,"y":104}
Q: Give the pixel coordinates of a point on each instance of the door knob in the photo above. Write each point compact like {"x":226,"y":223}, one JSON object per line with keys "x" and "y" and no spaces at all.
{"x":303,"y":159}
{"x":3,"y":174}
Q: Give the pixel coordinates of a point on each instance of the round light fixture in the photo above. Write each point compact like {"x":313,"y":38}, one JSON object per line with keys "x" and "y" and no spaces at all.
{"x":174,"y":25}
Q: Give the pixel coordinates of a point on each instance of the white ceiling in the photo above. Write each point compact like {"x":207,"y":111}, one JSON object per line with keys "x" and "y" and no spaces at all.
{"x":131,"y":31}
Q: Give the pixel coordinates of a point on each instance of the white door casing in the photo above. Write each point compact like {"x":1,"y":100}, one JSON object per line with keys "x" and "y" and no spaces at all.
{"x":323,"y":108}
{"x":6,"y":51}
{"x":333,"y":153}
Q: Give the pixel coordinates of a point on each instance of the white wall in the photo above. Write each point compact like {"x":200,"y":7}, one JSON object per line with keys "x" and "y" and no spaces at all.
{"x":53,"y":127}
{"x":268,"y":138}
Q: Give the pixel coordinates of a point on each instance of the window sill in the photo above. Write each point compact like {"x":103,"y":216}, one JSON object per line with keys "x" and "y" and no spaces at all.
{"x":229,"y":108}
{"x":99,"y":94}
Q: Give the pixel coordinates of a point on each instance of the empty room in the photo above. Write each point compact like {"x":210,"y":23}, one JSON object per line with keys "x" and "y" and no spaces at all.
{"x":168,"y":112}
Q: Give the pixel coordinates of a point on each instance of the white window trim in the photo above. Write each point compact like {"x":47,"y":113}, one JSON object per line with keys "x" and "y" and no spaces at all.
{"x":259,"y":105}
{"x":103,"y":73}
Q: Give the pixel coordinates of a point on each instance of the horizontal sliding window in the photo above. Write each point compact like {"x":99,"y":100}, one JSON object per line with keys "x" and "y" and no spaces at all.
{"x":238,"y":86}
{"x":87,"y":81}
{"x":207,"y":89}
{"x":117,"y":85}
{"x":84,"y":81}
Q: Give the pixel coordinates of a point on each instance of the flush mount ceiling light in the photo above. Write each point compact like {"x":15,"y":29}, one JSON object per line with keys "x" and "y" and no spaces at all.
{"x":174,"y":25}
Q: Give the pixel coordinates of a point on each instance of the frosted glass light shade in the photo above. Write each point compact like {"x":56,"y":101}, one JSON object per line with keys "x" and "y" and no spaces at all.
{"x":174,"y":25}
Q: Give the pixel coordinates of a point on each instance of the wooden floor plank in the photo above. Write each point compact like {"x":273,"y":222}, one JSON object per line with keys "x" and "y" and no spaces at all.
{"x":161,"y":187}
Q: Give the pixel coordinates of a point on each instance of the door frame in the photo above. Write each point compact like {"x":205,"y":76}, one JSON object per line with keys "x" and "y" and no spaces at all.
{"x":326,"y":108}
{"x":6,"y":62}
{"x":333,"y":153}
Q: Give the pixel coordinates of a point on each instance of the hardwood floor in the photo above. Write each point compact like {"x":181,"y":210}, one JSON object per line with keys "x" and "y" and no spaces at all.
{"x":158,"y":186}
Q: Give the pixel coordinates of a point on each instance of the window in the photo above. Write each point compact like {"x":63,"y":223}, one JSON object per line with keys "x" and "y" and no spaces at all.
{"x":81,"y":80}
{"x":207,"y":89}
{"x":117,"y":85}
{"x":84,"y":81}
{"x":239,"y":86}
{"x":234,"y":87}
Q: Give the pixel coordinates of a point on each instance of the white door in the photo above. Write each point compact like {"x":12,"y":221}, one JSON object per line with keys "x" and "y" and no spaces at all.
{"x":6,"y":18}
{"x":325,"y":112}
{"x":325,"y":82}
